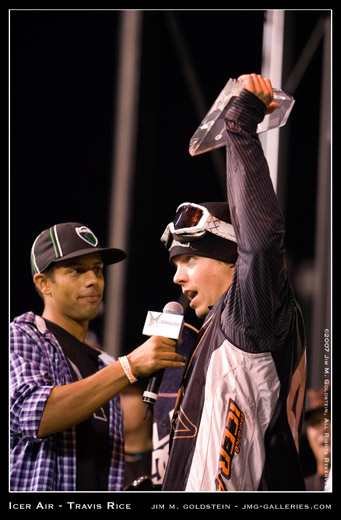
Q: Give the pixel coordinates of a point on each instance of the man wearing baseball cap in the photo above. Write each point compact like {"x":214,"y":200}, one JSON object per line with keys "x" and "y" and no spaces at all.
{"x":238,"y":415}
{"x":66,"y":420}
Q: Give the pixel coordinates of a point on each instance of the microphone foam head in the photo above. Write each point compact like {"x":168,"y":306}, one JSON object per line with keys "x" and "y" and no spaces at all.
{"x":173,"y":308}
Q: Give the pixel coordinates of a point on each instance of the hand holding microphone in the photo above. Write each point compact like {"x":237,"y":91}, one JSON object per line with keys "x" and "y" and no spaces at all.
{"x":158,"y":352}
{"x":168,"y":324}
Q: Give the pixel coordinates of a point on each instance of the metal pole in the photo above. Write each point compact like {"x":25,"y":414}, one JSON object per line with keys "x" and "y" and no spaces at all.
{"x":122,"y":173}
{"x":320,"y":355}
{"x":272,"y":68}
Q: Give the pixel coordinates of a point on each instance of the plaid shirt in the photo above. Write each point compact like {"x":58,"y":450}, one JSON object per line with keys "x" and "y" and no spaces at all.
{"x":37,"y":364}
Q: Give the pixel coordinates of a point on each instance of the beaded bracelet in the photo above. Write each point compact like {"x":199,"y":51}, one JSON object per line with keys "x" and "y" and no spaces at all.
{"x":126,"y":367}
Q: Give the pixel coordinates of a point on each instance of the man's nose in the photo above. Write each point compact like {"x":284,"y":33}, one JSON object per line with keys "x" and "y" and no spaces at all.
{"x":90,"y":277}
{"x":180,"y":275}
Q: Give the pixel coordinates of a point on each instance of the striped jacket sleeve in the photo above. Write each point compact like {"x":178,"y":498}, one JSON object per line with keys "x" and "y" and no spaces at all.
{"x":264,"y":293}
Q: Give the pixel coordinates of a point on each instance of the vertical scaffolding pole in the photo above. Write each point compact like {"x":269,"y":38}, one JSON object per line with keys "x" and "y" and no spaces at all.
{"x":272,"y":60}
{"x":320,"y":356}
{"x":122,"y":173}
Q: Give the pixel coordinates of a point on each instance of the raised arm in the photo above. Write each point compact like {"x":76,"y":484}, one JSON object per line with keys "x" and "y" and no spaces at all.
{"x":261,"y":275}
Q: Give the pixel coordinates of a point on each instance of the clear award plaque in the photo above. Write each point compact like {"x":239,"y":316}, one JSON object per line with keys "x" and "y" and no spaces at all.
{"x":211,"y":132}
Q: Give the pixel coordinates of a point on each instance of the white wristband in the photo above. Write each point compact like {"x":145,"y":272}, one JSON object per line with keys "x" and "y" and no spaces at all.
{"x":127,"y":369}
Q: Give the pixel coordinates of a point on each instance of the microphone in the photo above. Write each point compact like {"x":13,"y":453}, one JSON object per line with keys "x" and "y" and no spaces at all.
{"x":168,"y":323}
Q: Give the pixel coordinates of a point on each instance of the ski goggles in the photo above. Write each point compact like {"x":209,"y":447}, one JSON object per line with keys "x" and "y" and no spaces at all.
{"x":192,"y":222}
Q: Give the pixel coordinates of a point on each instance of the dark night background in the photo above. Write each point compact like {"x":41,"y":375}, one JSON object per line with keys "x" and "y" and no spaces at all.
{"x":63,"y":79}
{"x":63,"y":67}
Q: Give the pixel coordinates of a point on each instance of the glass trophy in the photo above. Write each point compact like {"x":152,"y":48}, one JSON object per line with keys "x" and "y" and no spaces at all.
{"x":211,"y":132}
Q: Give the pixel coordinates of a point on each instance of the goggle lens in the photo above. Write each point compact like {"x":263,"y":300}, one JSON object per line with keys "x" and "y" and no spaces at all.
{"x":187,"y":217}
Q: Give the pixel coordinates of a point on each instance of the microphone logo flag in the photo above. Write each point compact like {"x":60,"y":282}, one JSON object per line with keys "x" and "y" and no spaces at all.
{"x":163,"y":324}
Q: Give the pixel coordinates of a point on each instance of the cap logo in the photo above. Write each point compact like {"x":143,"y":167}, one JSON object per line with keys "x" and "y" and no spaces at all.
{"x":87,"y":235}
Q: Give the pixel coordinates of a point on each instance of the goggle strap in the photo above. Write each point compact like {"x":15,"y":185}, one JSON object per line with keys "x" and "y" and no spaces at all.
{"x":165,"y":235}
{"x":221,"y":228}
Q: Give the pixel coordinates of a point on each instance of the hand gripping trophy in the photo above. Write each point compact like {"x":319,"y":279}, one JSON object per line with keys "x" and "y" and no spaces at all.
{"x":210,"y":133}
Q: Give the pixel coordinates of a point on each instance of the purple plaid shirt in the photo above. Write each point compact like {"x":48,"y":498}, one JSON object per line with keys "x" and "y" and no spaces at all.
{"x":37,"y":364}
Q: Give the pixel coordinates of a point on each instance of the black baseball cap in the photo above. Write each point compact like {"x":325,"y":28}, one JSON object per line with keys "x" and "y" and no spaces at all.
{"x":68,"y":240}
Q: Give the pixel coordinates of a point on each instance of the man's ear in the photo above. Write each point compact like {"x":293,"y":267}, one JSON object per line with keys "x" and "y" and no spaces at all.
{"x":42,"y":282}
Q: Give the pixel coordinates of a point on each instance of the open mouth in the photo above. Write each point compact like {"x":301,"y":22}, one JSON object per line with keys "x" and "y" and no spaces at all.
{"x":191,"y":295}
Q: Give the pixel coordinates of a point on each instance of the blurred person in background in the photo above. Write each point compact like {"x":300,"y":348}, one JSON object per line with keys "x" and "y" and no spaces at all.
{"x":318,"y":432}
